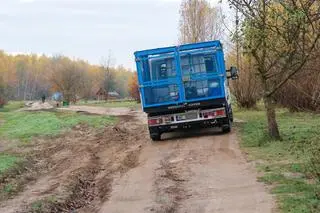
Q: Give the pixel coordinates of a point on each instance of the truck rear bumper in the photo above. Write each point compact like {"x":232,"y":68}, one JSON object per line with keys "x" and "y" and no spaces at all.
{"x":216,"y":122}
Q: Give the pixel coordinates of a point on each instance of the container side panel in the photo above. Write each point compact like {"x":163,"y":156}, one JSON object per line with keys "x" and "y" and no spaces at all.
{"x":161,"y":94}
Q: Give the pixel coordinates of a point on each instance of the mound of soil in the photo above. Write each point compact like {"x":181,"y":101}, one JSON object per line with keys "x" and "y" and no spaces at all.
{"x":38,"y":106}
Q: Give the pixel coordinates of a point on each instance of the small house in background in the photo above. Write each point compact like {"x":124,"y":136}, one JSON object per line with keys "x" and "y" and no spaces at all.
{"x":103,"y":95}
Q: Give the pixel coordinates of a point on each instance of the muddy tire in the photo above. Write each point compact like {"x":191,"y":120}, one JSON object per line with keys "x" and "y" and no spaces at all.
{"x":231,"y":114}
{"x":155,"y":136}
{"x":226,"y":128}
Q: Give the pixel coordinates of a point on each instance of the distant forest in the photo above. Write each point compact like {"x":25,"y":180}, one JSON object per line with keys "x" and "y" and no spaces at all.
{"x":29,"y":77}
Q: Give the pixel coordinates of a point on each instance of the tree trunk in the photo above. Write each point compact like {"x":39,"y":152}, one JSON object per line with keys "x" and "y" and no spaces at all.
{"x":271,"y":116}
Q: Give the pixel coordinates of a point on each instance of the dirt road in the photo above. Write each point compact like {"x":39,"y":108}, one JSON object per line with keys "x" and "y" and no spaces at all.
{"x":120,"y":170}
{"x":194,"y":174}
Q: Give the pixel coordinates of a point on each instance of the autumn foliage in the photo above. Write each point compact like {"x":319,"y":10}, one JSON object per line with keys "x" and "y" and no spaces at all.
{"x":2,"y":93}
{"x":29,"y":77}
{"x":134,"y":88}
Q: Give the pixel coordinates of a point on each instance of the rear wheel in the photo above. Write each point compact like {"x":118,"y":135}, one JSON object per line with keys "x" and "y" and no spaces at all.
{"x":231,"y":114}
{"x":155,"y":136}
{"x":226,"y":128}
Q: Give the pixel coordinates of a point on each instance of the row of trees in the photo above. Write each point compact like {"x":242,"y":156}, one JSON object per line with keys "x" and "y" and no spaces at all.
{"x":278,"y":44}
{"x":28,"y":77}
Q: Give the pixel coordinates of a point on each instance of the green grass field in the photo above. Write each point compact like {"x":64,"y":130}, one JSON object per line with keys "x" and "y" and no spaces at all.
{"x":11,"y":106}
{"x":286,"y":163}
{"x":7,"y":161}
{"x":25,"y":125}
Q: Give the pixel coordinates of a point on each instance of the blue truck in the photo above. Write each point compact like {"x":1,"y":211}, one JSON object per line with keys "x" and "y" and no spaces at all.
{"x":185,"y":87}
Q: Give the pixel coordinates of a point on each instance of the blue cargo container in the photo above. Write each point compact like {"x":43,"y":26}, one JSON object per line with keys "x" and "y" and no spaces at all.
{"x":185,"y":87}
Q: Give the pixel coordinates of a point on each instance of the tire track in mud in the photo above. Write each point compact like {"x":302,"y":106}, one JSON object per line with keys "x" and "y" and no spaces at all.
{"x":207,"y":173}
{"x":75,"y":171}
{"x":173,"y":176}
{"x":169,"y":187}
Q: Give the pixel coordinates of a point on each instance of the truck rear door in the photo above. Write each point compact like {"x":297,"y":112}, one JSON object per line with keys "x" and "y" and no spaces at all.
{"x":182,"y":74}
{"x":201,"y":76}
{"x":160,"y":82}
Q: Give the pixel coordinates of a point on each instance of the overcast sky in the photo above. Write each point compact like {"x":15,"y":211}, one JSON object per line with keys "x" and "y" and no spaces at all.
{"x":88,"y":29}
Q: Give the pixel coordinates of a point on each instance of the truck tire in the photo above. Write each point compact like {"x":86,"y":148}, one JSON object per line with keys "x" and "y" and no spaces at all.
{"x":226,"y":128}
{"x":155,"y":136}
{"x":231,"y":114}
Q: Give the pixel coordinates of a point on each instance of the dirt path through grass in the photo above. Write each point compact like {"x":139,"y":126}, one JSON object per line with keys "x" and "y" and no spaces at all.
{"x":200,"y":172}
{"x":75,"y":170}
{"x":119,"y":170}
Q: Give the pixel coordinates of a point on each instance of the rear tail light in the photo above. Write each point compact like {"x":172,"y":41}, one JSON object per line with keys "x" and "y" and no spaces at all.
{"x":154,"y":121}
{"x":220,"y":112}
{"x":213,"y":114}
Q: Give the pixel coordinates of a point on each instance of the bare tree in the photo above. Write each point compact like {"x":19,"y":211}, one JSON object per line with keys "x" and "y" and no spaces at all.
{"x":199,"y":21}
{"x":108,"y":78}
{"x":281,"y":37}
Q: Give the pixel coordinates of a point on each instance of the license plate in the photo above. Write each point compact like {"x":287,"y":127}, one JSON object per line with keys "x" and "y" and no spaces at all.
{"x":187,"y":116}
{"x":192,"y":115}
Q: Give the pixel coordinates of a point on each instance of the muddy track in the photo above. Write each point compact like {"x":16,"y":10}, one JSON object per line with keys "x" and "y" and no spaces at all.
{"x":120,"y":170}
{"x":190,"y":172}
{"x":75,"y":171}
{"x":169,"y":185}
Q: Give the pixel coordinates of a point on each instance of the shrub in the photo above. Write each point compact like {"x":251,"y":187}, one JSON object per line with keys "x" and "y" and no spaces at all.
{"x":314,"y":160}
{"x":247,"y":89}
{"x":302,"y":93}
{"x":3,"y":99}
{"x":2,"y":102}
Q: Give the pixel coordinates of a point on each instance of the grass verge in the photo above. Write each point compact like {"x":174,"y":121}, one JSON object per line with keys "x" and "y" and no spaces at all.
{"x":7,"y":161}
{"x":286,"y":163}
{"x":21,"y":126}
{"x":11,"y":106}
{"x":25,"y":125}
